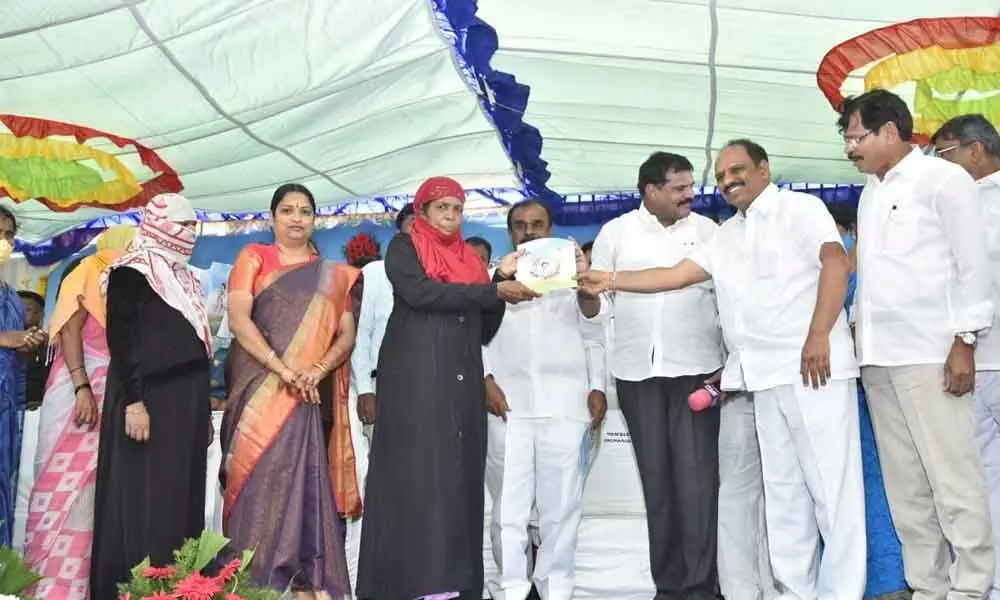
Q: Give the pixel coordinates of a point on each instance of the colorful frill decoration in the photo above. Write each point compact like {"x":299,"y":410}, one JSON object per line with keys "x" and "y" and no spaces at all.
{"x":61,"y":166}
{"x":953,"y":62}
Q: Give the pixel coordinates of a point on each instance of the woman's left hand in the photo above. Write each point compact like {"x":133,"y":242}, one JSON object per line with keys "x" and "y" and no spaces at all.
{"x":309,"y":382}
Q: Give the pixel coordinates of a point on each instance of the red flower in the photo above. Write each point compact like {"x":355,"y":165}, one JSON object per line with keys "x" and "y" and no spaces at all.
{"x":160,"y":573}
{"x":227,"y":572}
{"x":158,"y":596}
{"x":127,"y":596}
{"x":198,"y":587}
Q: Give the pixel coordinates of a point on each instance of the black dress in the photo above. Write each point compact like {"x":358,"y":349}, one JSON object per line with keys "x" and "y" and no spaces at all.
{"x":150,"y":496}
{"x":423,"y":516}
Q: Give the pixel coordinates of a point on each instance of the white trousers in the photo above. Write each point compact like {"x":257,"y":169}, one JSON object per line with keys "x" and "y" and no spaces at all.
{"x":810,"y":447}
{"x":535,"y":462}
{"x":987,"y":407}
{"x":744,"y":567}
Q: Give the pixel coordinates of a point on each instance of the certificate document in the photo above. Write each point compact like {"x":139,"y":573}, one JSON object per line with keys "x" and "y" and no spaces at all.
{"x":547,"y":265}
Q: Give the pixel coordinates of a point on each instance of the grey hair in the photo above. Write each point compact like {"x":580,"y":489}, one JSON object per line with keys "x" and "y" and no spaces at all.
{"x":969,"y":129}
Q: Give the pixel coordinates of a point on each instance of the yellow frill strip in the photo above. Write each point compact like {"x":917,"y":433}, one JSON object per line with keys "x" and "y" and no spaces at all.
{"x":111,"y":193}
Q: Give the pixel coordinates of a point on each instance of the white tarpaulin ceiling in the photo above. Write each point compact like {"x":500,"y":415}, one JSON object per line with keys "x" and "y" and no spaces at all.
{"x":358,"y":99}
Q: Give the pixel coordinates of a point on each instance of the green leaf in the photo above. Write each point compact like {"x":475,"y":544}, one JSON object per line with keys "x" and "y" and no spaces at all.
{"x":139,"y":568}
{"x":209,"y":546}
{"x":15,"y":576}
{"x":245,"y":560}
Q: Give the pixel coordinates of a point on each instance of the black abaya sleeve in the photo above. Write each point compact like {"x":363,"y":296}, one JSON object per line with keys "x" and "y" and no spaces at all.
{"x":128,"y":295}
{"x":491,"y":322}
{"x":410,"y":282}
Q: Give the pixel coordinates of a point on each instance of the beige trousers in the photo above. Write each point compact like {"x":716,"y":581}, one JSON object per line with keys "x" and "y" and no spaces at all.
{"x":934,"y":481}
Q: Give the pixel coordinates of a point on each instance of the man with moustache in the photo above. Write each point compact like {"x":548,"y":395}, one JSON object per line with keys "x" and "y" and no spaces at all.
{"x":780,"y":273}
{"x":922,"y":300}
{"x":545,"y":391}
{"x":972,"y":142}
{"x":665,"y":346}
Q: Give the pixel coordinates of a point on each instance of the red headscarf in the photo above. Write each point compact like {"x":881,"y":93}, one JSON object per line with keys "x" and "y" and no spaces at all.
{"x":445,"y":257}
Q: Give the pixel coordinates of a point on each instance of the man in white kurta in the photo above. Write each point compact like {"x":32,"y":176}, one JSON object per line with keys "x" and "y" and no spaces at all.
{"x":973,"y":143}
{"x":780,"y":273}
{"x":923,"y":298}
{"x":545,"y":387}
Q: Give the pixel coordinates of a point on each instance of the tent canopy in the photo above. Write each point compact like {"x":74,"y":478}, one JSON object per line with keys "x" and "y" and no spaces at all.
{"x":365,"y":99}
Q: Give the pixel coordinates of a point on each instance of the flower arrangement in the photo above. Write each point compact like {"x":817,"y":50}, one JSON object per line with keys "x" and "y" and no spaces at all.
{"x":186,"y":579}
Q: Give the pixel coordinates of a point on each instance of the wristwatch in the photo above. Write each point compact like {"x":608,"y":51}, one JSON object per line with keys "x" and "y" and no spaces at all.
{"x":968,"y":338}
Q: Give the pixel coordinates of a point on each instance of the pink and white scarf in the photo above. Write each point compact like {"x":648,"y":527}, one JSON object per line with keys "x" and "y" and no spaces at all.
{"x":161,"y":251}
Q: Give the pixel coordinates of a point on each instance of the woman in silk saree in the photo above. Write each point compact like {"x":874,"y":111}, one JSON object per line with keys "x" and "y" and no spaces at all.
{"x":61,"y":510}
{"x":291,"y":314}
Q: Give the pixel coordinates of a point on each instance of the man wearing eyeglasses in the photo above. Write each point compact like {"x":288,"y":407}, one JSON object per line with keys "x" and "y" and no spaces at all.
{"x":923,"y":299}
{"x":972,"y":142}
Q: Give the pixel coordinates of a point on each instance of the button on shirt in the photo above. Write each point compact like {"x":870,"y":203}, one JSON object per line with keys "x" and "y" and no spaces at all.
{"x":922,"y":266}
{"x":376,"y":306}
{"x":547,"y":357}
{"x":988,"y":348}
{"x":766,"y":268}
{"x":667,"y":334}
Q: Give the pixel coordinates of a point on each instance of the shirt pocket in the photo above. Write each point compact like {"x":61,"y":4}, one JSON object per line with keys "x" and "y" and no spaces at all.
{"x":902,"y":229}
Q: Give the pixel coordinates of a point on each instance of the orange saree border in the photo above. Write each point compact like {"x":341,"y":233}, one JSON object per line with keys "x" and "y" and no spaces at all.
{"x":270,"y":406}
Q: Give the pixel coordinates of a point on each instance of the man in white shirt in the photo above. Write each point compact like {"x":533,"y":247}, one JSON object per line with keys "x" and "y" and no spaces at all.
{"x":923,"y":296}
{"x":744,"y":566}
{"x":781,"y":273}
{"x":545,"y":390}
{"x":376,"y":306}
{"x":972,"y":142}
{"x":665,"y":346}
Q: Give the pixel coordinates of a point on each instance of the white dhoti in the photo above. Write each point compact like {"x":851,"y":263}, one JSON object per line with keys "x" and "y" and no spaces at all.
{"x":987,"y":405}
{"x":744,"y":567}
{"x":810,"y":446}
{"x":535,"y":462}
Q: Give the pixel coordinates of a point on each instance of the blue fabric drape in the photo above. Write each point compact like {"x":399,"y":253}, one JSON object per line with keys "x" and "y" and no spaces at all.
{"x":11,"y":411}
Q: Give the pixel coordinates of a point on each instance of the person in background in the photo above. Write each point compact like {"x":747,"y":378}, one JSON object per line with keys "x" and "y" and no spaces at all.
{"x":36,"y":363}
{"x":424,"y":498}
{"x":155,"y":423}
{"x":376,"y":306}
{"x":971,"y":142}
{"x":846,"y":217}
{"x":885,"y":558}
{"x":923,"y":298}
{"x":15,"y":338}
{"x":781,"y":272}
{"x":482,"y":246}
{"x":361,"y":250}
{"x":665,"y":347}
{"x":291,"y":315}
{"x":545,"y":391}
{"x":61,"y":510}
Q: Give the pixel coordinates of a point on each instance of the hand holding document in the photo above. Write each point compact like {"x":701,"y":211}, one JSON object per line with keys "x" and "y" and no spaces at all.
{"x":547,"y":264}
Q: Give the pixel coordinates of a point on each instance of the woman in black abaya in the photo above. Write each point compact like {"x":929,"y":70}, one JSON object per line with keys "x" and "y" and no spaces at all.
{"x":153,"y":446}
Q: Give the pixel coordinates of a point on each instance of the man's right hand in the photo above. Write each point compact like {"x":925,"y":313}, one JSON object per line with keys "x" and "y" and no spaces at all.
{"x":515,"y":291}
{"x":496,"y":401}
{"x":366,"y":408}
